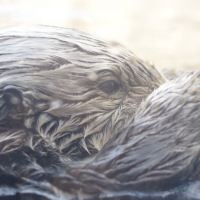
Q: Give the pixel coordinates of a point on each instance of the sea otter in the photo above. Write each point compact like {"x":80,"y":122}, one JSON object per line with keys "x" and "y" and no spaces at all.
{"x":156,"y":157}
{"x":68,"y":90}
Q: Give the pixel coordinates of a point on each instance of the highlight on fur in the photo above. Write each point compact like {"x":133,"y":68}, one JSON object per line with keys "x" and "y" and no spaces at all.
{"x":69,"y":89}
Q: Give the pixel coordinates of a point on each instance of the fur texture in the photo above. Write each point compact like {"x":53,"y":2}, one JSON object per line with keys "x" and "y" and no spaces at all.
{"x":68,"y":87}
{"x":65,"y":94}
{"x":156,"y":157}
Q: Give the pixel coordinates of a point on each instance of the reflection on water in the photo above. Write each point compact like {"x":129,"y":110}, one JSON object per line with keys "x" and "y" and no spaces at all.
{"x":166,"y":32}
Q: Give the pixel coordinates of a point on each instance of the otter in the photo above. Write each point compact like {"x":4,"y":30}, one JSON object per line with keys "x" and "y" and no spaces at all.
{"x":155,"y":157}
{"x":68,"y":91}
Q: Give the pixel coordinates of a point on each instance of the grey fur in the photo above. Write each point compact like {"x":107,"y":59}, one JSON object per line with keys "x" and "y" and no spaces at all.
{"x":58,"y":73}
{"x":156,"y":157}
{"x":52,"y":77}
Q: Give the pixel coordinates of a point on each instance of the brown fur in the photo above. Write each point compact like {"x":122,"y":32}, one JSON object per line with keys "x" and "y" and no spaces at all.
{"x":53,"y":82}
{"x":156,"y":157}
{"x":55,"y":106}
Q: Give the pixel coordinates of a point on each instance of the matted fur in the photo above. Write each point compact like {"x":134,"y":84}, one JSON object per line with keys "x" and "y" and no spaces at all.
{"x":156,"y":157}
{"x":56,"y":74}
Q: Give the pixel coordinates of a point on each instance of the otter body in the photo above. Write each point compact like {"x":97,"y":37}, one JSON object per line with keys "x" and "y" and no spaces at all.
{"x":156,"y":157}
{"x":66,"y":95}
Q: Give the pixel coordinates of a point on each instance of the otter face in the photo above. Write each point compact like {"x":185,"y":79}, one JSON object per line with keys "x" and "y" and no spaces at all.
{"x":77,"y":92}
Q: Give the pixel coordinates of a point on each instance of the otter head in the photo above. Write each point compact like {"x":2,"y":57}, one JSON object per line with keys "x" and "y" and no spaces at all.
{"x":77,"y":90}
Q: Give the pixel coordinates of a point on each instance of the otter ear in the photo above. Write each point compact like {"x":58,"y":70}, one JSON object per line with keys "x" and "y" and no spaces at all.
{"x":10,"y":97}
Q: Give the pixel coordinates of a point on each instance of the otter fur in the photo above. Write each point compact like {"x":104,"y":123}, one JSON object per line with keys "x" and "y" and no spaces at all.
{"x":155,"y":157}
{"x":66,"y":91}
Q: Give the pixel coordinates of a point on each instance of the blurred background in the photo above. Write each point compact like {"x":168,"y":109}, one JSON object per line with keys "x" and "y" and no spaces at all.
{"x":166,"y":32}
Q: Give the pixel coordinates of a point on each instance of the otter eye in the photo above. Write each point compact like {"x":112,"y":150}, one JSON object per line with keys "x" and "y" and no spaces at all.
{"x":109,"y":87}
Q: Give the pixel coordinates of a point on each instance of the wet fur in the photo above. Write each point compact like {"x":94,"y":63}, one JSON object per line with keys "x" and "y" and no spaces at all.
{"x":153,"y":155}
{"x":156,"y":157}
{"x":55,"y":74}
